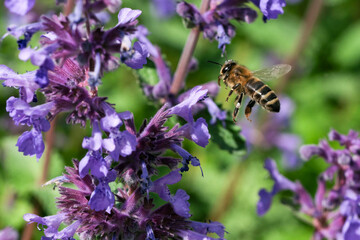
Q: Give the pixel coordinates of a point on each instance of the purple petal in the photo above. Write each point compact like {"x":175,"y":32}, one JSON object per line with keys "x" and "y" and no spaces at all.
{"x":110,"y":121}
{"x":127,"y":15}
{"x":264,"y":203}
{"x":125,"y":144}
{"x":149,"y":233}
{"x":215,"y":111}
{"x":222,"y":37}
{"x":69,"y":231}
{"x":211,"y":227}
{"x":307,"y":151}
{"x":281,"y":182}
{"x":102,"y":198}
{"x":52,"y":222}
{"x":94,"y":142}
{"x":9,"y":233}
{"x":183,"y":109}
{"x":20,"y":7}
{"x":135,"y":58}
{"x":180,"y":203}
{"x":198,"y":132}
{"x":351,"y":229}
{"x":25,"y":81}
{"x":160,"y":185}
{"x":270,"y":8}
{"x":187,"y":157}
{"x":31,"y":143}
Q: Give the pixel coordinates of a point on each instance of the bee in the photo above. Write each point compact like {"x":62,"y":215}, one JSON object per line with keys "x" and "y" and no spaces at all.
{"x":242,"y":81}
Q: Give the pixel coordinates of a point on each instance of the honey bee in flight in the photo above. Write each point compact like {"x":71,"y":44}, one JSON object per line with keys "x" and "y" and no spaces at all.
{"x":242,"y":81}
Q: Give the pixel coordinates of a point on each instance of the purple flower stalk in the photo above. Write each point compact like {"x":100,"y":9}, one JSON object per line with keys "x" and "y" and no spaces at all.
{"x":334,"y":208}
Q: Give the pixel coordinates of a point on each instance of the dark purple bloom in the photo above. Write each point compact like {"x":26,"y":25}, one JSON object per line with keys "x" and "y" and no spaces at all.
{"x":135,"y":57}
{"x":334,"y":210}
{"x":31,"y":143}
{"x":20,"y":7}
{"x":215,"y":23}
{"x":270,"y":8}
{"x":102,"y":198}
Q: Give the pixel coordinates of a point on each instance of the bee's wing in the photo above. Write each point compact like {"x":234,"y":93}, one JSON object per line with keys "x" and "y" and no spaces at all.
{"x":272,"y":72}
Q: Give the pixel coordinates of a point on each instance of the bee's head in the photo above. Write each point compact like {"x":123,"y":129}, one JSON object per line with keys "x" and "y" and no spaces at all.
{"x":228,"y":65}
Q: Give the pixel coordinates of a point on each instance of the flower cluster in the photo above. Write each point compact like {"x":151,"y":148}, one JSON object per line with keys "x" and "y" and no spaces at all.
{"x":215,"y":22}
{"x":96,"y":210}
{"x":113,"y":184}
{"x":334,"y":210}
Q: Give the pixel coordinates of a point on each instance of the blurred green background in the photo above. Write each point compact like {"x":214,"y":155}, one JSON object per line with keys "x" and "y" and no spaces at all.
{"x":324,"y":86}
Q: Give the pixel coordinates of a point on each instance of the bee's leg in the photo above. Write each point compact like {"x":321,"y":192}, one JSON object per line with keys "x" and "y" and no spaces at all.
{"x":231,"y":91}
{"x":219,"y":79}
{"x":248,"y":109}
{"x":239,"y":99}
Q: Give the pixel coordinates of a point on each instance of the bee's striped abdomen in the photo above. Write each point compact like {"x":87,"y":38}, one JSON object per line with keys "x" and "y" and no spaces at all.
{"x":263,"y":95}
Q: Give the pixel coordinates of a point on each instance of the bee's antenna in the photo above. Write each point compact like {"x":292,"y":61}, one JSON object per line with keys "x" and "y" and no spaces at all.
{"x":215,"y":63}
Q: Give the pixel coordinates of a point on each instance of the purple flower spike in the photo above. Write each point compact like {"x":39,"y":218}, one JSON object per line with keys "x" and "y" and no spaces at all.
{"x":20,"y":7}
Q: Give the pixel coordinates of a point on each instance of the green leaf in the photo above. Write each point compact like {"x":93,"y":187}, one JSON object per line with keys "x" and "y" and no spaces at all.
{"x":147,"y":75}
{"x":228,"y":137}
